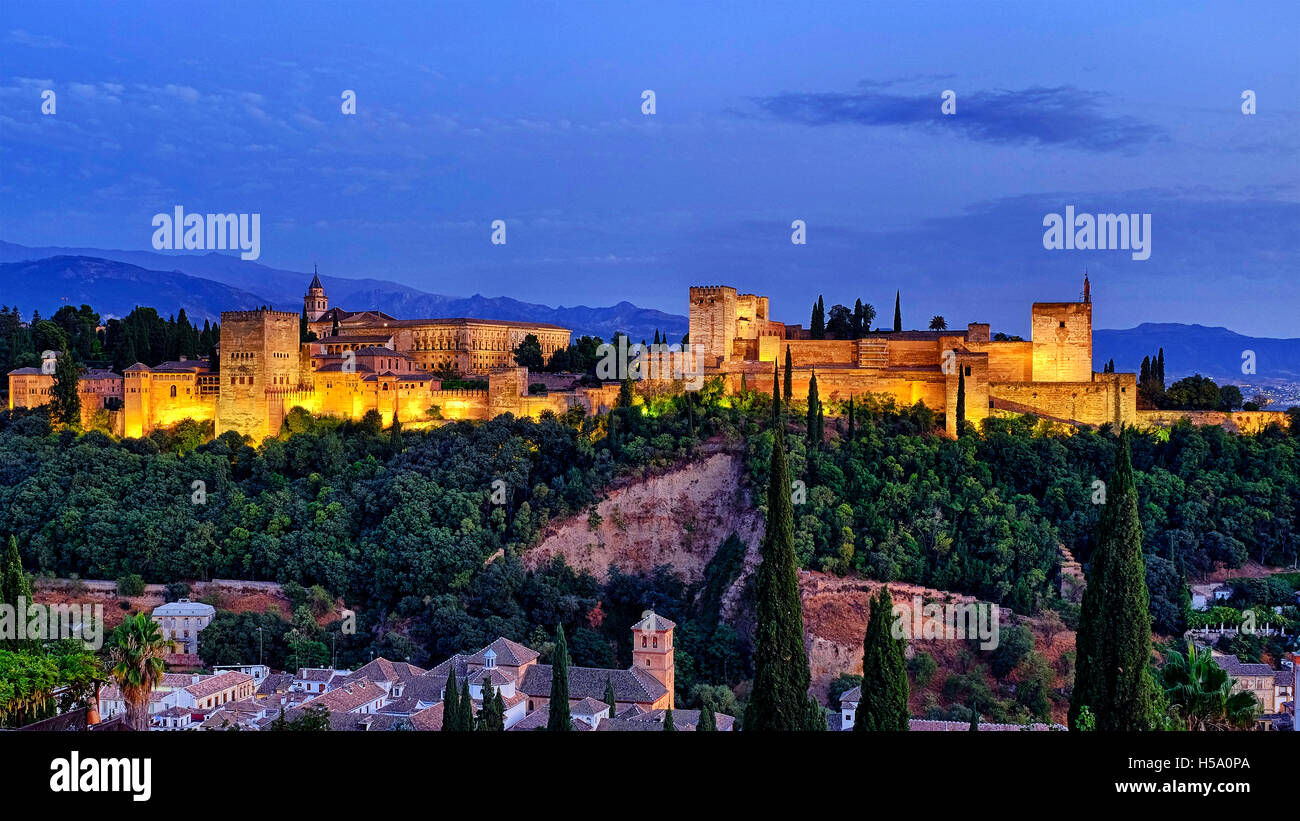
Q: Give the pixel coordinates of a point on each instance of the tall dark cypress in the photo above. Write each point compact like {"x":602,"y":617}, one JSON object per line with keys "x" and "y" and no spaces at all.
{"x":559,"y":720}
{"x":15,"y":585}
{"x":961,"y":400}
{"x":466,"y":719}
{"x":669,"y":726}
{"x":898,"y":314}
{"x":788,"y":395}
{"x":708,"y":721}
{"x":883,"y":705}
{"x":1160,"y":368}
{"x":814,"y":409}
{"x":1113,"y":677}
{"x":451,"y":702}
{"x":776,"y":396}
{"x":609,"y":697}
{"x":780,"y":699}
{"x":818,"y":329}
{"x":334,"y":327}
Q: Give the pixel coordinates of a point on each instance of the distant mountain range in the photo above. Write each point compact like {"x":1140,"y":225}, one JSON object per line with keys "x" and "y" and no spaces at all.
{"x":1213,"y":352}
{"x":114,"y":282}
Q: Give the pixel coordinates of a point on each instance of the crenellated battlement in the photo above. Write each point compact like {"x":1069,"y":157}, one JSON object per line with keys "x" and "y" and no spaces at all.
{"x":258,"y":315}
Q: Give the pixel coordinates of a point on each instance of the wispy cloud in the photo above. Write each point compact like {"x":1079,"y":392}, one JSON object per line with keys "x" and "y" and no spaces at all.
{"x":26,"y":38}
{"x":1061,"y":115}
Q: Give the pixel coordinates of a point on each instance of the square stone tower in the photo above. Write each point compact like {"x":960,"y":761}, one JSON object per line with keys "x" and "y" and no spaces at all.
{"x":259,"y":362}
{"x":652,"y":649}
{"x":713,"y":317}
{"x":1062,"y":341}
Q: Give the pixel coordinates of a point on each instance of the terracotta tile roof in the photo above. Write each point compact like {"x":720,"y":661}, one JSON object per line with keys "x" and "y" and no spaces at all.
{"x":687,"y":718}
{"x":537,"y":720}
{"x":587,"y":707}
{"x":509,"y":653}
{"x":654,"y":622}
{"x":347,"y":697}
{"x":215,"y":684}
{"x":495,"y":676}
{"x":632,"y":685}
{"x":381,"y":669}
{"x":632,"y":725}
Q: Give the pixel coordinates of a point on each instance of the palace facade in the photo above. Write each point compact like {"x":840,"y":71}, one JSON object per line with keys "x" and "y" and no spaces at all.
{"x":374,"y":362}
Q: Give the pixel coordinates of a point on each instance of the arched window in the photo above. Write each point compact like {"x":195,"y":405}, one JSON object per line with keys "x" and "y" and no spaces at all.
{"x":173,"y":391}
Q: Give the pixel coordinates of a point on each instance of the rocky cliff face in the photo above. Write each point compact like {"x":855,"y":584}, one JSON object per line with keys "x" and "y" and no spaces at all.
{"x":678,"y":518}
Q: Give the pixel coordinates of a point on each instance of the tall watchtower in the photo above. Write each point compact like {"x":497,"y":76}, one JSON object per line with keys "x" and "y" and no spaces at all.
{"x":315,"y":302}
{"x":259,"y":362}
{"x":652,"y":649}
{"x":1062,"y":339}
{"x":713,"y":320}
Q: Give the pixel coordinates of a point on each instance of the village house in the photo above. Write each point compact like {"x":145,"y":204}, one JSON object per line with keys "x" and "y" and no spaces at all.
{"x":181,"y":621}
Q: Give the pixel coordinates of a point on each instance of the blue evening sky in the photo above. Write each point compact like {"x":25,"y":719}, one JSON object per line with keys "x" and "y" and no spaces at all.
{"x":766,"y":113}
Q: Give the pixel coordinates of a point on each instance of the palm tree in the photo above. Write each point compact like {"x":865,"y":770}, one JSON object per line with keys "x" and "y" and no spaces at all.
{"x":136,"y":651}
{"x":1200,"y":692}
{"x":938,"y":323}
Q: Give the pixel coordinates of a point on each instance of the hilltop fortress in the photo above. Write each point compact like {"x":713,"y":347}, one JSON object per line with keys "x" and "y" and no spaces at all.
{"x":370,"y":361}
{"x":1050,"y":376}
{"x":359,"y":362}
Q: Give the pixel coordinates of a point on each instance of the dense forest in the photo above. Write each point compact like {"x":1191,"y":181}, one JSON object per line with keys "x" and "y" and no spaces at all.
{"x":986,"y":514}
{"x":420,"y":532}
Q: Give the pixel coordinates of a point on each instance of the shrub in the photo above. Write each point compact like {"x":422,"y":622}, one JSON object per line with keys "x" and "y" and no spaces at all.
{"x":131,"y":584}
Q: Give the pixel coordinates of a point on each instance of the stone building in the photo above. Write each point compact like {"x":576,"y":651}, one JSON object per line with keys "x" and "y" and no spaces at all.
{"x":1050,"y":376}
{"x":180,"y":622}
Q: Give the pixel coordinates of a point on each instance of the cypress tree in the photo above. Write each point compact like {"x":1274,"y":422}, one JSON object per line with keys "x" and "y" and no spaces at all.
{"x":668,"y":721}
{"x":776,"y":396}
{"x":451,"y":702}
{"x":558,"y":721}
{"x":814,"y":410}
{"x":395,"y":433}
{"x":14,"y":585}
{"x":818,"y":329}
{"x":789,"y":376}
{"x":1160,"y":368}
{"x":898,"y":314}
{"x":780,"y":699}
{"x":1145,"y":373}
{"x":609,"y":698}
{"x":466,"y":720}
{"x":626,"y":393}
{"x":961,"y":400}
{"x":974,"y":717}
{"x":302,"y":326}
{"x":334,"y":328}
{"x":65,"y":402}
{"x":1113,"y":677}
{"x":708,"y":722}
{"x":492,"y":716}
{"x":884,"y":673}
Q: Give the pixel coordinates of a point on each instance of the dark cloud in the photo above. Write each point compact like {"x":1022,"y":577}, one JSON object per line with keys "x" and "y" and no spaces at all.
{"x":1063,"y":115}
